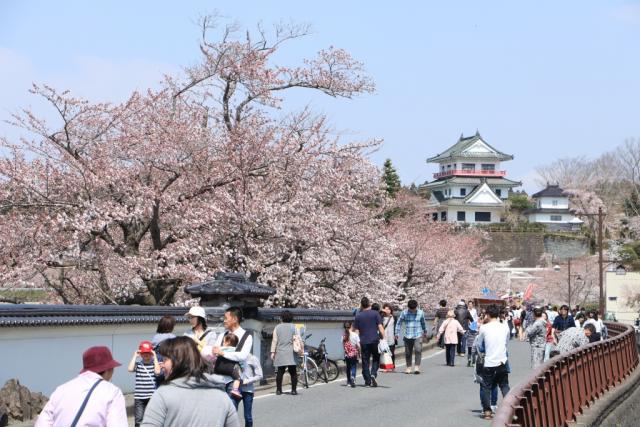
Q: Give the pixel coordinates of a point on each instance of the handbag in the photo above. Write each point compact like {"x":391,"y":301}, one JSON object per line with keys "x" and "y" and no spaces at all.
{"x":296,"y":341}
{"x":386,"y":361}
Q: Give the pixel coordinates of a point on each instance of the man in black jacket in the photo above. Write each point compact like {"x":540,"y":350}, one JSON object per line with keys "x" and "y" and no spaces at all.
{"x":464,"y":317}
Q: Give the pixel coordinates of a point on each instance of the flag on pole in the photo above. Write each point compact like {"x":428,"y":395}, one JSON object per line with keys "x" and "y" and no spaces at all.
{"x":528,"y":293}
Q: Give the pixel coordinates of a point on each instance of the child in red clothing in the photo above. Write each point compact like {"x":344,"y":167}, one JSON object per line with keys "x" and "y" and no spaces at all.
{"x":351,"y":344}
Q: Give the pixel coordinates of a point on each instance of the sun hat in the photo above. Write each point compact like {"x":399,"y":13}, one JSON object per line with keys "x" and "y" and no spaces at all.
{"x":145,"y":347}
{"x":196,"y":312}
{"x":98,"y":359}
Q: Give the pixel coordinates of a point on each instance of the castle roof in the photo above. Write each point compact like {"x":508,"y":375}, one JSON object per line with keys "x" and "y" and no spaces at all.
{"x":551,"y":191}
{"x":471,"y":147}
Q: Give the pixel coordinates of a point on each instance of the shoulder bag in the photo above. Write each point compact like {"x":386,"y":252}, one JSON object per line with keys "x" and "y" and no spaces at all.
{"x":84,"y":403}
{"x":296,"y":341}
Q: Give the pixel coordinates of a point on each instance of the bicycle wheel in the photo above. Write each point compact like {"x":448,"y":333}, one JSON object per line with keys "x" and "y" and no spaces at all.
{"x":310,"y":373}
{"x":331,"y":370}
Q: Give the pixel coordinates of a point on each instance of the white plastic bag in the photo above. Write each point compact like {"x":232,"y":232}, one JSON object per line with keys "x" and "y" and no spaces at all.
{"x":383,"y":347}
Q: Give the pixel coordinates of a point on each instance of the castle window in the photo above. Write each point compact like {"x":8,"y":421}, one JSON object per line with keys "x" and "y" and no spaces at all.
{"x":555,"y":217}
{"x":498,"y":192}
{"x":483,"y":216}
{"x":463,"y":192}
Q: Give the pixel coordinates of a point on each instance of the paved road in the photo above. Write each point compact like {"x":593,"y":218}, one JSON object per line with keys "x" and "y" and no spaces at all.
{"x":441,"y":396}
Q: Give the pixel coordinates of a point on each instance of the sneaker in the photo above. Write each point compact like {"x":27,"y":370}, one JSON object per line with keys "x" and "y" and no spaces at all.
{"x":417,"y":371}
{"x":294,"y":393}
{"x":468,"y":363}
{"x":374,"y":383}
{"x":278,"y":392}
{"x":494,"y":408}
{"x":407,"y":371}
{"x":236,"y":393}
{"x":353,"y":384}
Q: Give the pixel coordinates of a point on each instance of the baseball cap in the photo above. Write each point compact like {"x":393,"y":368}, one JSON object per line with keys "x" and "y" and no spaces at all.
{"x":145,"y":347}
{"x":196,"y":312}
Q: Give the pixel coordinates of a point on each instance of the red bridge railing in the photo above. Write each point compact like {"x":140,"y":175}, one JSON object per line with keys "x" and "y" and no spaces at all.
{"x":558,"y":391}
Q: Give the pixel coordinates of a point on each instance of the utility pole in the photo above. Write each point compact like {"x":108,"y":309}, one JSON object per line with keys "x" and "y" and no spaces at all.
{"x":600,"y":261}
{"x":569,"y":282}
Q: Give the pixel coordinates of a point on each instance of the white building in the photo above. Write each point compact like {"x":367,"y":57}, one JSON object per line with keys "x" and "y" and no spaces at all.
{"x":622,"y":286}
{"x":552,"y":209}
{"x":470,"y":187}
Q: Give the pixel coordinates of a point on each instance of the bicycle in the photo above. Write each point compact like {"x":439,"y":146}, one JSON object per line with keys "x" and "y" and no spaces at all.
{"x":328,"y":369}
{"x":307,"y":367}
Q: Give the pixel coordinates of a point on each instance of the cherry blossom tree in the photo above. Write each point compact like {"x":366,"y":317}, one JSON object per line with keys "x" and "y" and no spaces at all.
{"x":434,"y":260}
{"x":126,"y":203}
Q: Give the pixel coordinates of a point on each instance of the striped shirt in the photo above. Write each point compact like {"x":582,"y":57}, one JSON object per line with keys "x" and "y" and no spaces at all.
{"x":145,"y":380}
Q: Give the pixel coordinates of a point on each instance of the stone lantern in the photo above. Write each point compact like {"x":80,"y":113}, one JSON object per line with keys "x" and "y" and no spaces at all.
{"x":231,"y":289}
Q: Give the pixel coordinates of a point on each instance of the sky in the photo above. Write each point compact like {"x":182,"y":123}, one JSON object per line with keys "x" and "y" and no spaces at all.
{"x":541,"y":80}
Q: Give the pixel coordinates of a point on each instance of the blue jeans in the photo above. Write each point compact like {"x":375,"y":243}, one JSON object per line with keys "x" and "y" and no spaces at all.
{"x":352,"y":365}
{"x":370,"y":351}
{"x":462,"y":342}
{"x":494,"y":396}
{"x":247,"y":405}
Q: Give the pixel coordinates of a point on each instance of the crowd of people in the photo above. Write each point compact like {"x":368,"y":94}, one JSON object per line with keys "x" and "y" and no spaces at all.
{"x":198,"y":379}
{"x":204,"y":376}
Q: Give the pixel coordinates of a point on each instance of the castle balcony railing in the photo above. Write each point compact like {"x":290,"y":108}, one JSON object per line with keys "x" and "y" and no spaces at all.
{"x":467,"y":172}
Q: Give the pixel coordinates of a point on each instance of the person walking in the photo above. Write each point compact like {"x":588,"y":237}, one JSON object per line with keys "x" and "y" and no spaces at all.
{"x":493,"y":339}
{"x":282,"y":352}
{"x":389,"y":324}
{"x":89,"y":399}
{"x":472,"y":311}
{"x":415,"y":327}
{"x":450,"y":329}
{"x":563,"y":322}
{"x":368,"y":326}
{"x":251,"y":374}
{"x":550,"y":339}
{"x":464,"y":318}
{"x":440,"y":317}
{"x":536,"y":333}
{"x":189,"y":396}
{"x":351,"y":347}
{"x":471,"y":339}
{"x":146,"y":369}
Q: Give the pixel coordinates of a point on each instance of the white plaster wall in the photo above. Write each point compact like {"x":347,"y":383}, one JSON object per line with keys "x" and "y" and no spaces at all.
{"x":44,"y":357}
{"x":547,"y":203}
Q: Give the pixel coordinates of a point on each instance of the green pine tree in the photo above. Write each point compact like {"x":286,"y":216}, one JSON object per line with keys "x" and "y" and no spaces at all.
{"x":391,"y":179}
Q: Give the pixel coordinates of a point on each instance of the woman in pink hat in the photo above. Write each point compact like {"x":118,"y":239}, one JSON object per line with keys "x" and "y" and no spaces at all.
{"x":89,"y":398}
